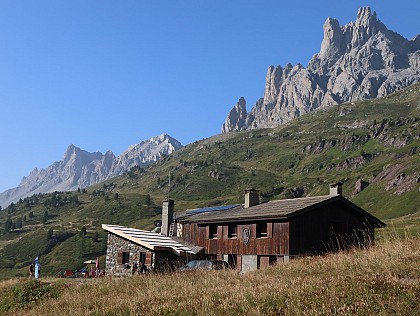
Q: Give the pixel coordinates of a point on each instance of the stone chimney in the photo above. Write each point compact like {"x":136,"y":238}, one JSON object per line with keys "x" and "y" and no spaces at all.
{"x":336,"y":188}
{"x":252,"y":198}
{"x":167,"y":216}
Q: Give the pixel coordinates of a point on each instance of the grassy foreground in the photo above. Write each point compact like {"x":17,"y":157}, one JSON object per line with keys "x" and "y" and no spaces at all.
{"x":382,"y":280}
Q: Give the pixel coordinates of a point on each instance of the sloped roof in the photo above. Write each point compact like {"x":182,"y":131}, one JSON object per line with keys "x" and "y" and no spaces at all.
{"x":274,"y":209}
{"x":147,"y":239}
{"x":194,"y":248}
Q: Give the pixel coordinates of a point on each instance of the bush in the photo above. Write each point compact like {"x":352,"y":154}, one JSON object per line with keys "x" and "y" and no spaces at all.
{"x":27,"y":293}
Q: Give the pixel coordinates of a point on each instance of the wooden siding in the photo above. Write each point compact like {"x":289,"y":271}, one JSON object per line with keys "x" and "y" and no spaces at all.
{"x":276,"y":242}
{"x":311,"y":232}
{"x":239,"y":263}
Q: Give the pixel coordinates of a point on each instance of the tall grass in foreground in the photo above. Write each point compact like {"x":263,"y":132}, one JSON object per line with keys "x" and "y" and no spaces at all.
{"x":382,"y":280}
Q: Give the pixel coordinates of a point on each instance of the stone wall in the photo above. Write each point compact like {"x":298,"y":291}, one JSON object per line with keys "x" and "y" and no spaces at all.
{"x":117,"y":244}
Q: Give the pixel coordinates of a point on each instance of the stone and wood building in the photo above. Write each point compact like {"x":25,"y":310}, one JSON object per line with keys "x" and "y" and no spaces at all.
{"x":251,"y":235}
{"x":126,"y":246}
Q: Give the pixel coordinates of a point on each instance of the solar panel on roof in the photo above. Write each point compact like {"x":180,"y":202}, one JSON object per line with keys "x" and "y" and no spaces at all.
{"x":212,"y":209}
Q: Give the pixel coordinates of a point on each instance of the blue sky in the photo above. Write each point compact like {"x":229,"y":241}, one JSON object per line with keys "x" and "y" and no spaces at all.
{"x":103,"y":75}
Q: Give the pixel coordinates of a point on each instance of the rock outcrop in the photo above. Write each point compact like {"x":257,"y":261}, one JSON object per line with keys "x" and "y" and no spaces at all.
{"x":359,"y":186}
{"x":357,"y":61}
{"x":236,"y":118}
{"x":80,"y":169}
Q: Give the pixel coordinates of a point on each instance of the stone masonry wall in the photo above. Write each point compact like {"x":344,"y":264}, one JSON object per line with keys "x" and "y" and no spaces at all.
{"x":117,"y":244}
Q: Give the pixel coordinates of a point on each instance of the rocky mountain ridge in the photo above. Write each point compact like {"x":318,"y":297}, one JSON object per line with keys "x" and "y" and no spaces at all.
{"x":80,"y":169}
{"x":360,"y":60}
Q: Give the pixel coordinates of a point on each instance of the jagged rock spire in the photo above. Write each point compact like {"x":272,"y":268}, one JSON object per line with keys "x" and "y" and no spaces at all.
{"x":360,"y":60}
{"x":236,"y":118}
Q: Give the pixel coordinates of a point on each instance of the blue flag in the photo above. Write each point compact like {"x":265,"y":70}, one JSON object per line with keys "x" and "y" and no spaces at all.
{"x":36,"y":268}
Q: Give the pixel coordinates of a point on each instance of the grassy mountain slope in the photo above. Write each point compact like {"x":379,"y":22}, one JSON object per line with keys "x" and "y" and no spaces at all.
{"x":382,"y":280}
{"x":376,"y":142}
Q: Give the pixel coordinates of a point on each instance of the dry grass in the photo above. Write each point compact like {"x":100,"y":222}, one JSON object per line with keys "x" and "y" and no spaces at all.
{"x":9,"y":283}
{"x":383,"y":280}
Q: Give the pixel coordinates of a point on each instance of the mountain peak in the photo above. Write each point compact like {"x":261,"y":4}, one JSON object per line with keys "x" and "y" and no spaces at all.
{"x":236,"y":118}
{"x":367,"y":19}
{"x":70,"y":151}
{"x":366,"y":26}
{"x":364,"y":14}
{"x":71,"y":148}
{"x":333,"y":35}
{"x":80,"y":168}
{"x":360,"y":60}
{"x":161,"y":137}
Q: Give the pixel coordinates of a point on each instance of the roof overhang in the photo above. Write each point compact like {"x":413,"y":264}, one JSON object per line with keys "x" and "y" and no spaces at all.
{"x":149,"y":240}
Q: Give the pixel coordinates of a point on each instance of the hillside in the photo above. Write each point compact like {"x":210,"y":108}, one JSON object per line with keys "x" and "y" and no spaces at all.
{"x":371,"y":145}
{"x":382,"y":280}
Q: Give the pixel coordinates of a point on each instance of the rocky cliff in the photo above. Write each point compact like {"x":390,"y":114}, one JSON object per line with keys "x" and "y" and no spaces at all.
{"x":360,"y":60}
{"x":80,"y":169}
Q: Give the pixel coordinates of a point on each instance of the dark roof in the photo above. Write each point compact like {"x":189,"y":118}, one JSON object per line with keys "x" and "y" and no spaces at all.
{"x":280,"y":209}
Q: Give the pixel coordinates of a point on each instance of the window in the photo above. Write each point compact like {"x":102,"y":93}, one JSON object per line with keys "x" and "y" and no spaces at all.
{"x":262,"y":229}
{"x":213,"y":232}
{"x":126,"y":257}
{"x":232,"y":231}
{"x":123,"y":257}
{"x":142,"y":257}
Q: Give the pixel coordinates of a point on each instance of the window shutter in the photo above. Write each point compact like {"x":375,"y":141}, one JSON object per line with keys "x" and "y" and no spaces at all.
{"x":253,"y":231}
{"x":225,"y":232}
{"x":148,"y":260}
{"x":270,"y":230}
{"x":119,"y":257}
{"x":219,"y":232}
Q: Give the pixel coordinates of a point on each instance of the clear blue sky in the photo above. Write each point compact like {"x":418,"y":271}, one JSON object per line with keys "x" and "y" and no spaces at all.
{"x":106,"y":74}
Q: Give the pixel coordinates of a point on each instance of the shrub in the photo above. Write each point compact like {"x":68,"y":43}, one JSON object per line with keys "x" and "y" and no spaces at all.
{"x":26,"y":294}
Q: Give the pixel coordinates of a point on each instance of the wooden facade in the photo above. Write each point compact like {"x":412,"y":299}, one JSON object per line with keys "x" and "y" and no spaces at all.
{"x":332,"y":227}
{"x":276,"y":241}
{"x":275,"y":231}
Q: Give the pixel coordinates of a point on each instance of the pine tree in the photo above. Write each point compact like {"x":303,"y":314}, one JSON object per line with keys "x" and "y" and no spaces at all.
{"x":45,"y":217}
{"x":50,"y":233}
{"x":8,"y":225}
{"x":95,"y":237}
{"x":82,"y":232}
